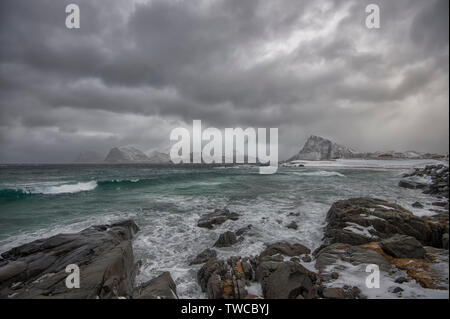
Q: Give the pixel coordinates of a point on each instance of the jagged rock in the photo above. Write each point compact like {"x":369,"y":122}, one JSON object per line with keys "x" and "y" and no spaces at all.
{"x":161,"y":287}
{"x":204,"y":256}
{"x":286,"y":279}
{"x":219,"y":216}
{"x":212,"y":267}
{"x":103,"y":253}
{"x":318,"y":148}
{"x":286,"y":249}
{"x":358,"y":221}
{"x":402,"y":246}
{"x":225,"y":280}
{"x":226,"y":239}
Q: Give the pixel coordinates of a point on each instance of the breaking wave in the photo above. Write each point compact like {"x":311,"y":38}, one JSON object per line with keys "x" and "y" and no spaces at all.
{"x":16,"y":193}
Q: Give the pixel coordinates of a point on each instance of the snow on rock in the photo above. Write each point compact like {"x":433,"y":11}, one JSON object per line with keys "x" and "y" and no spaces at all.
{"x":126,"y":154}
{"x":318,"y":148}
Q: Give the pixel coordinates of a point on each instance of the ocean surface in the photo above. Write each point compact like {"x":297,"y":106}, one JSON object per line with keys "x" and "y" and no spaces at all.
{"x":166,"y":202}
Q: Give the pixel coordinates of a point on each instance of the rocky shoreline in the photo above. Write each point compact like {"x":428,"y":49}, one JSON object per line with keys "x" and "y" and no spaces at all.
{"x":358,"y":232}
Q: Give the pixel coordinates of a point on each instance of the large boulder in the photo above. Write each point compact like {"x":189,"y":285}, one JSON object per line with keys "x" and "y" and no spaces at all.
{"x":226,"y":239}
{"x":358,"y":221}
{"x":285,"y":249}
{"x":103,"y":254}
{"x":338,"y":253}
{"x":161,"y":287}
{"x":217,"y":217}
{"x":286,"y":280}
{"x":402,"y":246}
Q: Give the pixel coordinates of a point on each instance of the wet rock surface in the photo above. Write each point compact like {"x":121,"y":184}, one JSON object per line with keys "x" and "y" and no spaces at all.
{"x":103,"y":254}
{"x":217,"y":217}
{"x":286,"y":249}
{"x":161,"y":287}
{"x":226,"y":239}
{"x":362,"y":220}
{"x":438,"y":184}
{"x":402,"y":246}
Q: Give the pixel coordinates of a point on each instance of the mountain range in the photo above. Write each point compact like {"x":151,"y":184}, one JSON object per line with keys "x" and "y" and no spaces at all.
{"x":318,"y":148}
{"x":123,"y":155}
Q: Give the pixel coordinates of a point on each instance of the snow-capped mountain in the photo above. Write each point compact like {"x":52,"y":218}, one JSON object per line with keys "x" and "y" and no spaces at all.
{"x":126,"y":154}
{"x":156,"y":157}
{"x":318,"y":148}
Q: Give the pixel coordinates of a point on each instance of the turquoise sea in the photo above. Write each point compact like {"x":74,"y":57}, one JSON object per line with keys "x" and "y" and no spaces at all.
{"x":167,"y":200}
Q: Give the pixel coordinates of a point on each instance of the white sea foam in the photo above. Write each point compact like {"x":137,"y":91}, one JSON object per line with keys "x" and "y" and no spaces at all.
{"x":68,"y":188}
{"x":319,"y":173}
{"x":362,"y":163}
{"x":51,"y":188}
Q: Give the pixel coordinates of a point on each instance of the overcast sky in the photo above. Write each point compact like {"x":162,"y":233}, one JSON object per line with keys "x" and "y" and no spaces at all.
{"x":137,"y":69}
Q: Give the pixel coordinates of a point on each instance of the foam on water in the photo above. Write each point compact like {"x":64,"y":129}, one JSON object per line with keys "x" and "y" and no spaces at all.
{"x":320,"y":173}
{"x":51,"y":188}
{"x":167,"y":203}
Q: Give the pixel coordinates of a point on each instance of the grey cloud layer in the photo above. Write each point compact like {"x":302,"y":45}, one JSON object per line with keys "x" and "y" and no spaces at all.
{"x":136,"y":69}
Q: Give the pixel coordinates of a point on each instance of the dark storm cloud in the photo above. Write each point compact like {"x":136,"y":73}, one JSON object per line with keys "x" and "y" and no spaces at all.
{"x":135,"y":69}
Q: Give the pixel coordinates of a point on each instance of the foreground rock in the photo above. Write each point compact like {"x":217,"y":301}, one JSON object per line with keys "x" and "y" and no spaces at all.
{"x":364,"y":231}
{"x":225,"y":279}
{"x":353,"y":255}
{"x":219,"y":216}
{"x":161,"y":287}
{"x":285,"y":249}
{"x":286,"y":280}
{"x":362,"y":220}
{"x":279,"y":278}
{"x":402,"y":246}
{"x":103,"y":253}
